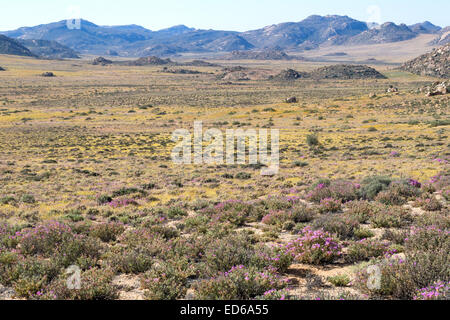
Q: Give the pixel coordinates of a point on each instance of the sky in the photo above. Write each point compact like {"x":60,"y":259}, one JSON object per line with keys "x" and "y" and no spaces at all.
{"x":236,"y":15}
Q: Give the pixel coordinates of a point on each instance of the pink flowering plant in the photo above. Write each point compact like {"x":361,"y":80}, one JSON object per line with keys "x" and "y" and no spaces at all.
{"x":314,"y":247}
{"x":439,"y":290}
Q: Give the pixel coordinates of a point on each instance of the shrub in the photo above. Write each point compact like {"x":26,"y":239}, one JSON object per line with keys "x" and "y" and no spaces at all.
{"x":427,"y":252}
{"x":130,"y":260}
{"x":391,"y":217}
{"x":341,"y":226}
{"x":330,"y":205}
{"x":366,"y":249}
{"x":312,"y":140}
{"x":28,"y":198}
{"x":274,"y":257}
{"x":26,"y":275}
{"x":342,"y":280}
{"x":176,"y":212}
{"x":276,"y":218}
{"x":301,"y":213}
{"x":107,"y":232}
{"x":362,"y":210}
{"x":166,"y":281}
{"x":43,"y":238}
{"x":341,"y":190}
{"x":222,"y":254}
{"x":96,"y":284}
{"x":372,"y":186}
{"x":234,"y":212}
{"x":314,"y":247}
{"x":398,"y":193}
{"x":428,"y":204}
{"x":363,"y":234}
{"x":239,"y":283}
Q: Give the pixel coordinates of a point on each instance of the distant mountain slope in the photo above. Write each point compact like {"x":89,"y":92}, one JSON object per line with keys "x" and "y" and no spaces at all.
{"x":89,"y":38}
{"x":11,"y":46}
{"x":136,"y":41}
{"x":259,"y":55}
{"x":314,"y":29}
{"x":434,"y":64}
{"x":387,"y":32}
{"x":49,"y":49}
{"x":425,"y":27}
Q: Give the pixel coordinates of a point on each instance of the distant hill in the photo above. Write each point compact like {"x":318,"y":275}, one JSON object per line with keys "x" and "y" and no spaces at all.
{"x":387,"y":32}
{"x":434,"y":64}
{"x":11,"y":46}
{"x":346,"y":72}
{"x":49,"y":49}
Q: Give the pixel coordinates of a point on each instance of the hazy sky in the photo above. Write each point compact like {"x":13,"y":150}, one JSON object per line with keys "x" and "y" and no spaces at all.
{"x":239,"y":15}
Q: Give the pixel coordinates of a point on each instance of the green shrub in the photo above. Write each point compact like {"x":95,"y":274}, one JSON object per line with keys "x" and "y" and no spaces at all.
{"x":372,"y":186}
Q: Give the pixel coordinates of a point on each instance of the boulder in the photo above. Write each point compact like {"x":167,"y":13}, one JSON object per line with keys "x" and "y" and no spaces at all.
{"x":291,"y":100}
{"x":48,"y":74}
{"x":392,"y":89}
{"x":438,"y":89}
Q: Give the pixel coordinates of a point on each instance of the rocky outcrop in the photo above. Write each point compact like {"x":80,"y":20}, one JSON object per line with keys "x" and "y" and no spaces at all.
{"x":433,"y":64}
{"x":290,"y":74}
{"x":437,"y":89}
{"x":100,"y":61}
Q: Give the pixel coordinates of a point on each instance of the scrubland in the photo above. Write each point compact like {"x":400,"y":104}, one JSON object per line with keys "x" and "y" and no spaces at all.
{"x":87,"y":180}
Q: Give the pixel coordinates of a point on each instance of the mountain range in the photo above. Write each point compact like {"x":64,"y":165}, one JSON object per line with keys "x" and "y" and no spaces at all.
{"x":136,"y":41}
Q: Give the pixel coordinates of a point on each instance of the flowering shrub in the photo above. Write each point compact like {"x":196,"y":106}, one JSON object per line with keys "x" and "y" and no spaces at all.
{"x":43,"y":238}
{"x":340,"y":190}
{"x":330,"y":205}
{"x":428,"y":203}
{"x":167,"y":280}
{"x":274,"y":295}
{"x":438,"y":291}
{"x":276,"y":218}
{"x":274,"y":257}
{"x":240,"y":283}
{"x":314,"y":247}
